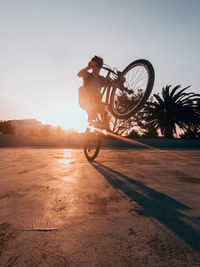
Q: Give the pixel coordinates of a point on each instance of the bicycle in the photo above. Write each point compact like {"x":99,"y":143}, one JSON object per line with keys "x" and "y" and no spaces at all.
{"x":124,"y":97}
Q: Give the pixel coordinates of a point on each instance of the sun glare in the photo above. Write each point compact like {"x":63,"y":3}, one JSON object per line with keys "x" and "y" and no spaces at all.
{"x":67,"y":117}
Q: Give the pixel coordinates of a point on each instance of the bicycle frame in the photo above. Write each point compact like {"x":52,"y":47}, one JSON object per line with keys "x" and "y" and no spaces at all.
{"x":107,"y":88}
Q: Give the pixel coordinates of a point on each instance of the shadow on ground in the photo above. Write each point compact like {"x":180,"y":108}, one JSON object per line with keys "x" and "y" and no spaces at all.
{"x":154,"y":204}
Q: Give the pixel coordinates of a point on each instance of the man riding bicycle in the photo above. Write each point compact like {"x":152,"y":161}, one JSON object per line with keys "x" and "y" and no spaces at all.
{"x":90,"y":93}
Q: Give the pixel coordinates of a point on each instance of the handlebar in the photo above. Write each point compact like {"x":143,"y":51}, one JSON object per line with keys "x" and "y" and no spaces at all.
{"x":109,"y":70}
{"x":121,"y":86}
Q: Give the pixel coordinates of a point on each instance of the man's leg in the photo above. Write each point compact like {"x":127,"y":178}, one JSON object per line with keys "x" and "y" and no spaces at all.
{"x":91,"y":116}
{"x":104,"y":115}
{"x":91,"y":110}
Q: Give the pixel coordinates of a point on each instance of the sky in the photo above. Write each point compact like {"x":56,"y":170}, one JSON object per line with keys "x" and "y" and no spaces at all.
{"x":44,"y":43}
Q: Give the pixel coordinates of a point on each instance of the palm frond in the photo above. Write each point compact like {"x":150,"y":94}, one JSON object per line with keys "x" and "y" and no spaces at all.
{"x":174,"y":90}
{"x":171,"y":109}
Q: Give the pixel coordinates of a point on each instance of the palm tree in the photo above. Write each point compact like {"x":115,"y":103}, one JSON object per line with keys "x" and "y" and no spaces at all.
{"x":122,"y":127}
{"x":192,"y":129}
{"x":173,"y":108}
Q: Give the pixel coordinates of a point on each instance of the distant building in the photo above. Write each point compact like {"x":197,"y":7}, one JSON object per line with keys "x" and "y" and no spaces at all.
{"x":26,"y":127}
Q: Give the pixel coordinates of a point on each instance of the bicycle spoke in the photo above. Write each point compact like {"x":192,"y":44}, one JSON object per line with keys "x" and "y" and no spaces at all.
{"x":128,"y":98}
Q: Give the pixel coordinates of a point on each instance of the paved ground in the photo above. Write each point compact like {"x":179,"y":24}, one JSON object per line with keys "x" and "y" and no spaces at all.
{"x":129,"y":208}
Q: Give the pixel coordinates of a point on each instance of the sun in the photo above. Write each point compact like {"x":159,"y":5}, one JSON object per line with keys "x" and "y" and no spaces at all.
{"x":69,"y":116}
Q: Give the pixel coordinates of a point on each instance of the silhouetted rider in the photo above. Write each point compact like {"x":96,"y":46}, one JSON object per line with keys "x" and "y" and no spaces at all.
{"x":90,"y":93}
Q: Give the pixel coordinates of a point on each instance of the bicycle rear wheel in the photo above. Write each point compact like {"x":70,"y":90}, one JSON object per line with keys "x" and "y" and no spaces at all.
{"x":133,"y":89}
{"x":92,"y":144}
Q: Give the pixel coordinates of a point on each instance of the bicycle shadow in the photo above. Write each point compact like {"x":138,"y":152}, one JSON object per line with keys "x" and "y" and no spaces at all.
{"x":154,"y":204}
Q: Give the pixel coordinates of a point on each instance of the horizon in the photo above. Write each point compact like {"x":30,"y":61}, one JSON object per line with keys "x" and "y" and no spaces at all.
{"x":45,"y":44}
{"x":42,"y":124}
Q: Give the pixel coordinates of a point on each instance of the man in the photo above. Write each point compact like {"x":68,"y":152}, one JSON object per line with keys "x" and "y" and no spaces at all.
{"x":90,"y":92}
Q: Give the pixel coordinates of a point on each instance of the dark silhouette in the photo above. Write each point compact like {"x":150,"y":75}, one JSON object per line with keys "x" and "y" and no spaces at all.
{"x":192,"y":129}
{"x":130,"y":126}
{"x":90,"y":92}
{"x":123,"y":127}
{"x":6,"y":127}
{"x":173,"y":108}
{"x":155,"y":204}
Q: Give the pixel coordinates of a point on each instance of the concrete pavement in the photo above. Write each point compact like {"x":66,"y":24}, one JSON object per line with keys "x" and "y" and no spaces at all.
{"x":128,"y":208}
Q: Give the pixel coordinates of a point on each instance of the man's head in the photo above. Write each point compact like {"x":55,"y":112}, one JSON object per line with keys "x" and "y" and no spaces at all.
{"x":98,"y":61}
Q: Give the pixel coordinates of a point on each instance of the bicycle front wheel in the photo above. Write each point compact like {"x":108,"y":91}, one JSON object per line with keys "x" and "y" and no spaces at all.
{"x":92,"y":144}
{"x":133,"y":89}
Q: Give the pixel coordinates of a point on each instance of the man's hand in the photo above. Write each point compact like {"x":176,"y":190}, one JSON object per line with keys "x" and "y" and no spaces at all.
{"x":82,"y":72}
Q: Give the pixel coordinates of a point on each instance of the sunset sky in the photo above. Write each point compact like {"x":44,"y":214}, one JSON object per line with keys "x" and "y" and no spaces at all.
{"x":44,"y":43}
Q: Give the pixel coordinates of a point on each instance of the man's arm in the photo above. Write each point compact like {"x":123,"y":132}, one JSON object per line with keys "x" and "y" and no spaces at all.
{"x":82,"y":72}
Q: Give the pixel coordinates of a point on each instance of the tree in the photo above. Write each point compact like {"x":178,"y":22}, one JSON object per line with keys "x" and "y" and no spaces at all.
{"x":126,"y":127}
{"x":121,"y":127}
{"x":6,"y":127}
{"x":192,"y":129}
{"x":173,"y":108}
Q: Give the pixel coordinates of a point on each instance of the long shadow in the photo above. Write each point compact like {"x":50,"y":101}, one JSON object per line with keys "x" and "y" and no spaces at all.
{"x":154,"y":204}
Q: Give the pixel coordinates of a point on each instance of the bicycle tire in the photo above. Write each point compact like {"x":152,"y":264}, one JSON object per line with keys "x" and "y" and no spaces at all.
{"x":132,"y":110}
{"x":92,"y":144}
